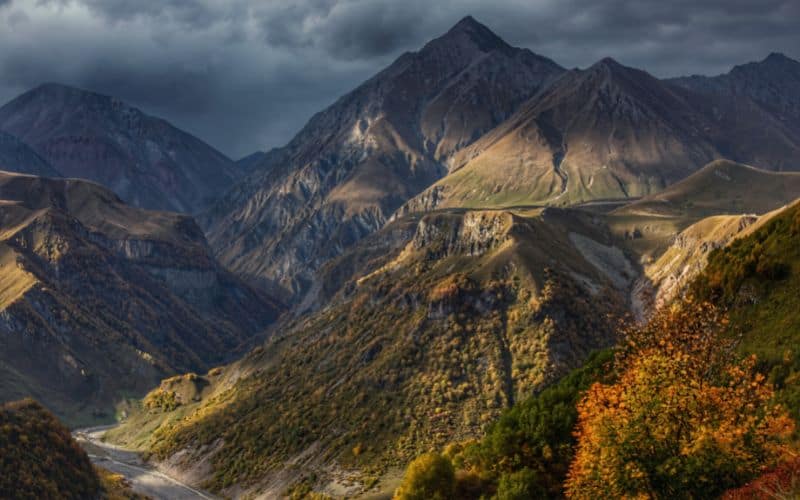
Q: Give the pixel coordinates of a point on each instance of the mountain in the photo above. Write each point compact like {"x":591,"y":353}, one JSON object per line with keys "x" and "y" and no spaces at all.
{"x":15,"y":156}
{"x":461,"y":315}
{"x":609,"y":131}
{"x":100,"y":300}
{"x":605,"y":132}
{"x":145,"y":160}
{"x":754,"y":110}
{"x":756,"y":279}
{"x":357,"y":161}
{"x":773,"y":82}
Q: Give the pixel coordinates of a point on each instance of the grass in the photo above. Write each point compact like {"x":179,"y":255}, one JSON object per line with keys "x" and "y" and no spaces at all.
{"x":758,"y":279}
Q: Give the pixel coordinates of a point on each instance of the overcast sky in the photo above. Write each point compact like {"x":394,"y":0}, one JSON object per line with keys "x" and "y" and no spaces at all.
{"x":245,"y":75}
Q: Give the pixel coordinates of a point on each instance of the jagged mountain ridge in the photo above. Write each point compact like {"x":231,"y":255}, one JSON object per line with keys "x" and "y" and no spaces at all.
{"x":354,"y":163}
{"x":774,"y":82}
{"x":609,"y":131}
{"x":100,"y":300}
{"x":145,"y":160}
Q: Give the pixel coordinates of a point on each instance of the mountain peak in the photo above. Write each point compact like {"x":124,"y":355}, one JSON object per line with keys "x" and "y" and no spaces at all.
{"x":778,"y":57}
{"x":774,"y":61}
{"x":467,"y":22}
{"x":470,"y":30}
{"x":607,"y":62}
{"x":62,"y":89}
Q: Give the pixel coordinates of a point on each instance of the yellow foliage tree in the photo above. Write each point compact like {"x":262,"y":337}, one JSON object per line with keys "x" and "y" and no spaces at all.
{"x":429,"y":477}
{"x":684,"y":420}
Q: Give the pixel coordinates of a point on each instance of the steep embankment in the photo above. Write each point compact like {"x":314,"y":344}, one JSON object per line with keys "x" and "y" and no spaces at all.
{"x":758,"y":278}
{"x":99,"y":300}
{"x":466,"y":314}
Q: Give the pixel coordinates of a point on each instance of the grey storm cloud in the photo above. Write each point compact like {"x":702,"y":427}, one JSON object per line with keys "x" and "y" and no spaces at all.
{"x":246,"y":74}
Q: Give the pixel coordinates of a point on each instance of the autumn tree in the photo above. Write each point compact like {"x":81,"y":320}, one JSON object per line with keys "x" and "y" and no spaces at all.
{"x":429,"y":477}
{"x":685,"y":419}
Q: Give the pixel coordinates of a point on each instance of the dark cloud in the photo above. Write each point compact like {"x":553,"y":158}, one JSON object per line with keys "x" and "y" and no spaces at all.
{"x":246,"y":74}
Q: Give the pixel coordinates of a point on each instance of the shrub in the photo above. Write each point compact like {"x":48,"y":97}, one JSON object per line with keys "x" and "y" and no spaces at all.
{"x":429,"y":477}
{"x":521,"y":485}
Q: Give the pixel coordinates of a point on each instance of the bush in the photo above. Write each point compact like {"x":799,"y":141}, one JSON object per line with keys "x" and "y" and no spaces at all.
{"x":429,"y":477}
{"x":521,"y":485}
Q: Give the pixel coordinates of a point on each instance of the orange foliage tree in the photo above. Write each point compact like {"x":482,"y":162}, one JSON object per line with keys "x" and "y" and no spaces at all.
{"x":685,"y":419}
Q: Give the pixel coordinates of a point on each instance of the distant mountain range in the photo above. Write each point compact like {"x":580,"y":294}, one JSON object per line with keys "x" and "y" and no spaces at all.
{"x":145,"y":160}
{"x":469,"y":121}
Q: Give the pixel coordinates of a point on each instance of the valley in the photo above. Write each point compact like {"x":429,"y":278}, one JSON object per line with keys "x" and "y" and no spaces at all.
{"x":142,"y":478}
{"x":477,"y":274}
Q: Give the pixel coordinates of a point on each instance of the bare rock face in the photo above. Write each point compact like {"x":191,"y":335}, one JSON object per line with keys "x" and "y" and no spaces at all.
{"x":16,"y":156}
{"x":100,"y":300}
{"x":145,"y":160}
{"x":356,"y":162}
{"x":667,"y":278}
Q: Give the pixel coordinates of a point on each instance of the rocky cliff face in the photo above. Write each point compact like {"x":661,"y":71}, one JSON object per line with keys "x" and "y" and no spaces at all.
{"x":354,"y":163}
{"x":145,"y":160}
{"x":667,"y":278}
{"x":101,"y":300}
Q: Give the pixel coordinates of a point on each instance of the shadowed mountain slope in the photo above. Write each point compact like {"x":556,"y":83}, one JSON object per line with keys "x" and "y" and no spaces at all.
{"x":145,"y":160}
{"x":40,"y":458}
{"x":99,"y":300}
{"x":15,"y":156}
